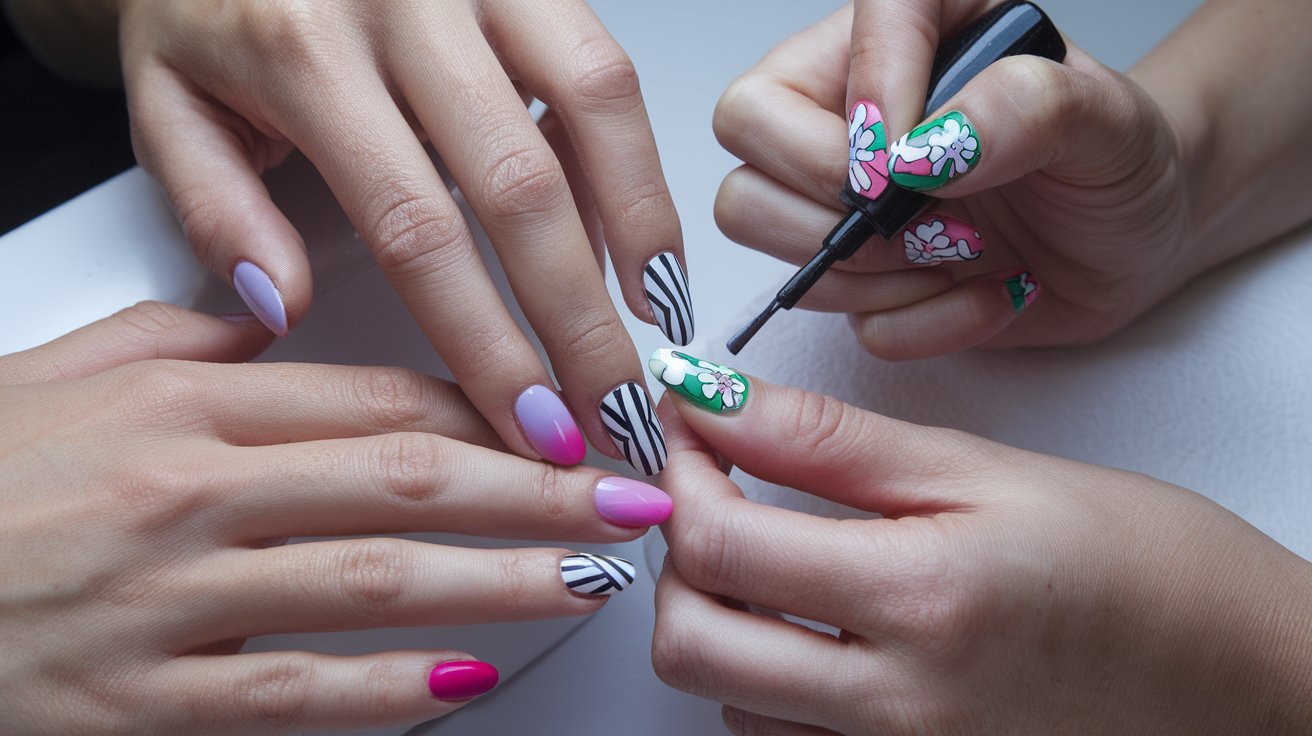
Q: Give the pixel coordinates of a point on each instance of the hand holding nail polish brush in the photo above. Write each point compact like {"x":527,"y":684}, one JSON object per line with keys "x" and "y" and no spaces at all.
{"x":1011,"y":29}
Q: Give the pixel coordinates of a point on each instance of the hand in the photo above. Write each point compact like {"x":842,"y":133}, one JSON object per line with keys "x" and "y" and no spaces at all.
{"x":1069,"y":173}
{"x":1002,"y":592}
{"x":145,"y":505}
{"x":221,"y":91}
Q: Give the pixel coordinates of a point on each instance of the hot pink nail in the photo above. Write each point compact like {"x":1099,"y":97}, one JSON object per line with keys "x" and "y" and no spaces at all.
{"x":549,"y":426}
{"x":461,"y":680}
{"x":630,"y":503}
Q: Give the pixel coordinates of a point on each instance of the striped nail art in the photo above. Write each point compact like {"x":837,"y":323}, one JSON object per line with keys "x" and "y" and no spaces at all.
{"x":627,"y":415}
{"x":596,"y":574}
{"x":668,"y":295}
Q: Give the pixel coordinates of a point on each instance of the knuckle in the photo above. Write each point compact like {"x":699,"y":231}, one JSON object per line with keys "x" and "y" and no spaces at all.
{"x":158,"y":491}
{"x":826,"y":425}
{"x":603,"y":77}
{"x":416,"y":234}
{"x":676,"y":656}
{"x":147,"y":321}
{"x":287,"y":32}
{"x":382,"y":698}
{"x":553,"y":494}
{"x":408,"y":465}
{"x":649,"y":205}
{"x":393,"y":398}
{"x":201,"y":217}
{"x":162,"y":393}
{"x":523,"y":180}
{"x":518,"y":568}
{"x":704,"y":552}
{"x":735,"y":107}
{"x":593,"y":334}
{"x":277,"y":694}
{"x":731,"y":212}
{"x":373,"y":574}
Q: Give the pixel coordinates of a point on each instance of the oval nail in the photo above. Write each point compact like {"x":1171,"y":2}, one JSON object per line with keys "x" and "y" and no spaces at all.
{"x":631,"y":503}
{"x":462,"y":679}
{"x":549,"y":427}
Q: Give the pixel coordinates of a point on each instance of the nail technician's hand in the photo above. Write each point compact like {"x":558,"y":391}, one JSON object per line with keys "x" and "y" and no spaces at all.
{"x":1106,"y":187}
{"x":221,"y":91}
{"x":1003,"y":592}
{"x":144,"y":504}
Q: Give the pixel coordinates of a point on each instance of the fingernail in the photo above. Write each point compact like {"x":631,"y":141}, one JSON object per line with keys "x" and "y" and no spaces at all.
{"x":259,"y":293}
{"x":713,"y":387}
{"x":589,"y":574}
{"x":669,"y":297}
{"x":934,"y":153}
{"x":867,"y":159}
{"x":461,"y":680}
{"x":238,"y":317}
{"x":631,"y":503}
{"x":1023,"y":289}
{"x":935,"y":239}
{"x":549,"y":426}
{"x":627,"y":414}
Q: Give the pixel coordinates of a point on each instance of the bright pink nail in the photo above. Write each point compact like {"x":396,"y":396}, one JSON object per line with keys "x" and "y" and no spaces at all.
{"x":549,"y":426}
{"x":630,"y":503}
{"x":461,"y":680}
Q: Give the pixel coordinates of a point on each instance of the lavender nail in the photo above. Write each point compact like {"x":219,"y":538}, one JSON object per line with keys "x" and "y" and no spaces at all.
{"x":260,"y":294}
{"x":549,"y":426}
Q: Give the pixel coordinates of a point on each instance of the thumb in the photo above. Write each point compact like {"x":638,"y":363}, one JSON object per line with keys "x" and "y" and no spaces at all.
{"x":812,"y":442}
{"x":145,"y":331}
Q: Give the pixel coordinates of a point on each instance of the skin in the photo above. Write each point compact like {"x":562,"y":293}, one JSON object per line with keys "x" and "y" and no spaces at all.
{"x":148,"y":492}
{"x":1106,"y":186}
{"x":1003,"y":591}
{"x":220,"y":92}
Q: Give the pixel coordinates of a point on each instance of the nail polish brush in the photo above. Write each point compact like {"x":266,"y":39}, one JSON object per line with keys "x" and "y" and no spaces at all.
{"x":1011,"y":29}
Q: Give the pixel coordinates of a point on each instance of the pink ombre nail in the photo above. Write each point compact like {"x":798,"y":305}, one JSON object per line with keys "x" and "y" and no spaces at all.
{"x":461,"y":680}
{"x":549,"y":426}
{"x":631,"y":503}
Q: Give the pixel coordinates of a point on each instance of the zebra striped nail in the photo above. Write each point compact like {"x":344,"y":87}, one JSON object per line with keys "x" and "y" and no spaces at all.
{"x":627,"y":414}
{"x":669,"y":297}
{"x":596,"y":574}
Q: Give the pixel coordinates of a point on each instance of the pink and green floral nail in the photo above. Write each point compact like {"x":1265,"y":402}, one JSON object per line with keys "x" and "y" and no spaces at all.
{"x":936,"y":238}
{"x":714,"y":387}
{"x":867,"y":161}
{"x":1023,"y":289}
{"x":934,"y":153}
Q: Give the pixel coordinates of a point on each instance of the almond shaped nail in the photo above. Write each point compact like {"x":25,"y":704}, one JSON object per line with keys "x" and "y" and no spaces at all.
{"x":867,"y":159}
{"x":631,"y":503}
{"x":935,"y":152}
{"x":713,"y":387}
{"x":627,"y":415}
{"x":261,"y":296}
{"x":549,"y":427}
{"x":462,"y":679}
{"x":937,"y":239}
{"x":597,"y":575}
{"x":668,"y":296}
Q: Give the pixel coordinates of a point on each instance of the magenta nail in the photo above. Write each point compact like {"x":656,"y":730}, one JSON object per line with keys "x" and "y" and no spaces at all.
{"x":462,"y":680}
{"x":261,"y":295}
{"x":631,"y":503}
{"x":549,"y":426}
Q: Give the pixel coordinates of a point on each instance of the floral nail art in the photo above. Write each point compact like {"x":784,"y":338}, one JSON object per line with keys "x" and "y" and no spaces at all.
{"x":1023,"y":289}
{"x":935,"y":239}
{"x":714,"y":387}
{"x":867,"y":161}
{"x":934,"y":153}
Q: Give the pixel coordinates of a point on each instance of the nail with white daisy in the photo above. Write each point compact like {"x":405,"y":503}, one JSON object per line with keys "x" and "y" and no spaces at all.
{"x":935,"y":152}
{"x":713,"y":387}
{"x":867,"y":161}
{"x":935,"y":238}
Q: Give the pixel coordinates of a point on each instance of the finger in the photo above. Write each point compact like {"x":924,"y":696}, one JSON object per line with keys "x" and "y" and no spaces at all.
{"x":409,"y":482}
{"x":145,"y":331}
{"x":765,"y":665}
{"x":967,"y":315}
{"x":282,"y":692}
{"x":553,"y":130}
{"x":594,"y":88}
{"x":383,"y":177}
{"x":892,"y":51}
{"x":741,"y":723}
{"x":517,"y":188}
{"x":1076,"y":128}
{"x":368,"y":583}
{"x":208,"y":160}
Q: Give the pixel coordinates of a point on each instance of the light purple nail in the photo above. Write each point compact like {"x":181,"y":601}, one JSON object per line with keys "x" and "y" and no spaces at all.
{"x":549,"y":426}
{"x":627,"y":502}
{"x":259,"y":293}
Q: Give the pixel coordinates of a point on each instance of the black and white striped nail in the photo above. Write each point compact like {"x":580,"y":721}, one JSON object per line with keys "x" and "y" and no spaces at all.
{"x":627,"y":414}
{"x":668,"y":295}
{"x":596,"y":574}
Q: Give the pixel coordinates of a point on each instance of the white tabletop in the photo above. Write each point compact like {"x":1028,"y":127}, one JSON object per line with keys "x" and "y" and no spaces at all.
{"x":114,"y":247}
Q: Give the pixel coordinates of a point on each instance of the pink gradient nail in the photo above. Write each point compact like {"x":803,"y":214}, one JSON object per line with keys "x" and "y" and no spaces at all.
{"x":549,"y":426}
{"x":631,"y":503}
{"x":462,"y":680}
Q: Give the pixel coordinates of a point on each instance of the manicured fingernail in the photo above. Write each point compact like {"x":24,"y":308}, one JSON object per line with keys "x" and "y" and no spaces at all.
{"x":669,"y":297}
{"x":461,"y":680}
{"x":549,"y":426}
{"x":596,"y":574}
{"x":935,"y":239}
{"x":631,"y":503}
{"x":867,"y":161}
{"x":713,"y":387}
{"x":934,"y":153}
{"x":239,"y":317}
{"x":1022,"y":288}
{"x":259,"y":293}
{"x":627,"y":414}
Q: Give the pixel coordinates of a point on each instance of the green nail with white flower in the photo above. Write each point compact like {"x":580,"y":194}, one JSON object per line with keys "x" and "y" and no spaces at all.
{"x":713,"y":387}
{"x":935,"y":153}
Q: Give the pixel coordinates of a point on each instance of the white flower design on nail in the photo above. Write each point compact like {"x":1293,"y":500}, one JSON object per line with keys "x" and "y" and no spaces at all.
{"x":722,"y":380}
{"x":859,"y":139}
{"x":929,"y":242}
{"x":954,"y":143}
